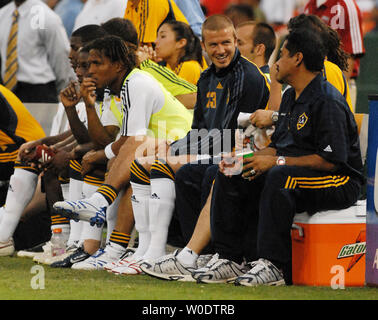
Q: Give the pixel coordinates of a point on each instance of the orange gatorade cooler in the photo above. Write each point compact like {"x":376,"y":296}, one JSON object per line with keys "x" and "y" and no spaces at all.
{"x":329,"y":247}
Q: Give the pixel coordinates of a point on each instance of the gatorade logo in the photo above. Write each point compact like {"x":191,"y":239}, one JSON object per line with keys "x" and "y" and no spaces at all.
{"x":355,"y":250}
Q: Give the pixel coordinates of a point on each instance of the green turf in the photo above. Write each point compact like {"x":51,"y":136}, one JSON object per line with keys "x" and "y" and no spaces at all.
{"x":66,"y":284}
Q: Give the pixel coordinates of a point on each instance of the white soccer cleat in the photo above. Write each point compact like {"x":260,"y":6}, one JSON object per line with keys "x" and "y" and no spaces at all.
{"x":126,"y":257}
{"x":263,"y":272}
{"x":31,"y":252}
{"x":99,"y":260}
{"x":7,"y":248}
{"x":129,"y":268}
{"x":81,"y":210}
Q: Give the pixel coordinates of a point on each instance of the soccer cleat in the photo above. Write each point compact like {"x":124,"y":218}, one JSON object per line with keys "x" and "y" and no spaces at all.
{"x":99,"y":260}
{"x":168,"y":268}
{"x":45,"y":254}
{"x":76,"y":256}
{"x":222,"y":271}
{"x":125,"y":258}
{"x":81,"y":210}
{"x":7,"y":248}
{"x":31,"y":252}
{"x":132,"y":267}
{"x":263,"y":272}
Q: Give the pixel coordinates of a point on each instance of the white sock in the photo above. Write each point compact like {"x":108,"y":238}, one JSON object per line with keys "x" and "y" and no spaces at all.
{"x":22,"y":186}
{"x":111,"y":215}
{"x":162,"y":204}
{"x":140,"y":202}
{"x":88,"y":231}
{"x":114,"y":249}
{"x":187,"y":257}
{"x":75,"y":192}
{"x":98,"y":200}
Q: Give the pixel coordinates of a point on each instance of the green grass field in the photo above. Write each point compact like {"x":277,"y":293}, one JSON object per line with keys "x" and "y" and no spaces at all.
{"x":16,"y":281}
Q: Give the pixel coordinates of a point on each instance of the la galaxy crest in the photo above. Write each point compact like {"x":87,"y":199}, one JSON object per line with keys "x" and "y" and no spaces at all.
{"x":302,"y":120}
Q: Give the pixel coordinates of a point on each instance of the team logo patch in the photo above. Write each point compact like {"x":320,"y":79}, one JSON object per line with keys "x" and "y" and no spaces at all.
{"x":302,"y":120}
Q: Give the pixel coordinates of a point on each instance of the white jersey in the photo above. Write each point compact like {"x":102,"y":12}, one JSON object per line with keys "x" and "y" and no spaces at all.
{"x":108,"y":116}
{"x":141,"y":97}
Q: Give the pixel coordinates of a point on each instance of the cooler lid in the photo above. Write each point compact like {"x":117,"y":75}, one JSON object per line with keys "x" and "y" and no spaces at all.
{"x":353,"y":214}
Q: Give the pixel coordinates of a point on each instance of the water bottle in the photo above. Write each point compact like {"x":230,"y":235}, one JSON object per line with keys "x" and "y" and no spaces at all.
{"x":58,"y":243}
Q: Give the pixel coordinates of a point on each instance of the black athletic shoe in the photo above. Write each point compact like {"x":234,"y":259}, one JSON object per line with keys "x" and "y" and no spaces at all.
{"x":76,"y":256}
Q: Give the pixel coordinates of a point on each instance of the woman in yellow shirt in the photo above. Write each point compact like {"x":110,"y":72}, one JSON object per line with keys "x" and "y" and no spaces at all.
{"x":180,"y":50}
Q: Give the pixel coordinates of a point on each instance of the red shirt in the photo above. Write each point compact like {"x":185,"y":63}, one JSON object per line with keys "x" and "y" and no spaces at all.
{"x":215,"y":6}
{"x":345,"y":17}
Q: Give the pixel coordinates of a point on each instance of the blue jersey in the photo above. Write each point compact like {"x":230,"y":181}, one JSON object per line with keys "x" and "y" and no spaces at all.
{"x":221,"y":96}
{"x":319,"y":122}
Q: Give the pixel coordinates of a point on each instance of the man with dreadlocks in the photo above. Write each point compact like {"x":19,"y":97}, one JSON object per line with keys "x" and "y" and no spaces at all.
{"x":148,"y":110}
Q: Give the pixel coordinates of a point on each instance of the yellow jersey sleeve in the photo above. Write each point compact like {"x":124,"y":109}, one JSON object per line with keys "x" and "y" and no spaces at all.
{"x":174,"y":84}
{"x":335,"y":76}
{"x":148,"y":15}
{"x":21,"y":126}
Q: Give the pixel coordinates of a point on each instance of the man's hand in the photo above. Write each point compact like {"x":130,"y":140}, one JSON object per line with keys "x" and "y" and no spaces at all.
{"x":230,"y":165}
{"x":262,"y":118}
{"x":70,"y":96}
{"x":145,"y":53}
{"x":89,"y":160}
{"x":26,"y":152}
{"x":59,"y":162}
{"x":257,"y":165}
{"x":88,"y":92}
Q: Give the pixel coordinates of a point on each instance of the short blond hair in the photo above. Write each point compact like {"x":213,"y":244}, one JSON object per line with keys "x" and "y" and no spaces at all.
{"x":217,"y":22}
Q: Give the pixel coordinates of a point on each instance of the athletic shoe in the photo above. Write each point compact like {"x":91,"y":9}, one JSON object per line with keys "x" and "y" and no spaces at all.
{"x":213,"y":258}
{"x":78,"y":255}
{"x":7,"y":248}
{"x":129,"y":268}
{"x":81,"y":210}
{"x":125,"y":258}
{"x":203,"y":260}
{"x":168,"y":268}
{"x":222,"y":271}
{"x":263,"y":272}
{"x":31,"y":252}
{"x":98,"y":260}
{"x":42,"y":256}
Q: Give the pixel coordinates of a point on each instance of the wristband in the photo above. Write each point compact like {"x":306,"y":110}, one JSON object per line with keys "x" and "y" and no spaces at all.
{"x":109,"y":152}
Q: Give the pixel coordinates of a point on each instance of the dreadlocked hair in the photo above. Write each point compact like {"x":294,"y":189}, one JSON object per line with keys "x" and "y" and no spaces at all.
{"x":329,"y":36}
{"x":116,"y":50}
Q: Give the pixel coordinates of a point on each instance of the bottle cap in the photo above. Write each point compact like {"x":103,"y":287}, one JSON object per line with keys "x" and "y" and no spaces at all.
{"x":57,"y":230}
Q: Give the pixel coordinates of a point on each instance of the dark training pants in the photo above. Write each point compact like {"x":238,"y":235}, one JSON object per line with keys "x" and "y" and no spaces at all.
{"x":268,"y":205}
{"x":193,"y":184}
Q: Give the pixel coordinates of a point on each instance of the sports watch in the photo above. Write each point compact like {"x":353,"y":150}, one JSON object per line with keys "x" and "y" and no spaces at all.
{"x":275,"y":116}
{"x":281,"y":161}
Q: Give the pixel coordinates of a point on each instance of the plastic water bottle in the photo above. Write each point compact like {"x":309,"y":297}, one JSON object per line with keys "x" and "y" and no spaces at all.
{"x":58,"y":243}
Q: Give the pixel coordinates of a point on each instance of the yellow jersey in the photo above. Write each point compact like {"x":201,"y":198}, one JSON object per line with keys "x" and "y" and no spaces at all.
{"x":148,"y":15}
{"x":17,"y":125}
{"x":335,"y":76}
{"x":189,"y":70}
